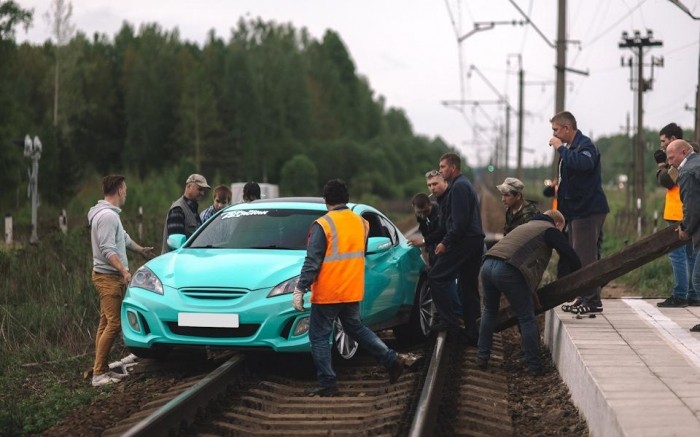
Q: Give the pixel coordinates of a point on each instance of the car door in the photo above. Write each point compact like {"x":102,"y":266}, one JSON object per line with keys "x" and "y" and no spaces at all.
{"x":381,"y":273}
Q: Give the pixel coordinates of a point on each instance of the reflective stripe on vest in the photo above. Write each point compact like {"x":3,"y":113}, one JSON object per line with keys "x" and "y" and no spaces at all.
{"x":333,"y":254}
{"x":341,"y":276}
{"x":673,"y":210}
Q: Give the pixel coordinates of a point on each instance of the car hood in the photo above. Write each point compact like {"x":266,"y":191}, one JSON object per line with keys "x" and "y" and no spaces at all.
{"x":250,"y":269}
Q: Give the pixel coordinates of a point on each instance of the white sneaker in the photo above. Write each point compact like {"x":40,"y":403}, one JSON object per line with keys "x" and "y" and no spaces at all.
{"x":129,"y":359}
{"x":104,"y":379}
{"x":118,"y":375}
{"x":124,"y":364}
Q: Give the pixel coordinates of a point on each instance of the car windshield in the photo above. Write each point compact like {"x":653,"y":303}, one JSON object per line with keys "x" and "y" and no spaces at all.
{"x":257,"y":229}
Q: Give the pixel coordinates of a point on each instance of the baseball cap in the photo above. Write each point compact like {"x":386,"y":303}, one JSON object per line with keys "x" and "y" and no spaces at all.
{"x":197,"y":179}
{"x":510,"y":185}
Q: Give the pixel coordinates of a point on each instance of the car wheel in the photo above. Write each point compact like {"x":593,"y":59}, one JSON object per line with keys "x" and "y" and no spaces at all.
{"x":418,"y":327}
{"x":154,"y":353}
{"x":344,"y":346}
{"x":425,"y":309}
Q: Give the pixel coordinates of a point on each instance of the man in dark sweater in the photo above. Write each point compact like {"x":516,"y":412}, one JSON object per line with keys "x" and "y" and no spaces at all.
{"x":458,"y":254}
{"x":428,"y":218}
{"x":514,"y":267}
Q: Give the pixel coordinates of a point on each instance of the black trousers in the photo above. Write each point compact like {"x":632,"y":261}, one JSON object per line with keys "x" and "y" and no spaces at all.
{"x":462,"y":262}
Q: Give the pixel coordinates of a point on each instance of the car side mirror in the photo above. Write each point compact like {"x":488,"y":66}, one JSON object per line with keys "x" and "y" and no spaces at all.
{"x":377,"y":245}
{"x":176,"y":241}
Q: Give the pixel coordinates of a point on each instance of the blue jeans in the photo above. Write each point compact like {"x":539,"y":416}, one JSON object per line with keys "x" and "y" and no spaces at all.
{"x":498,"y":277}
{"x":696,"y":272}
{"x":321,"y":326}
{"x":682,"y":263}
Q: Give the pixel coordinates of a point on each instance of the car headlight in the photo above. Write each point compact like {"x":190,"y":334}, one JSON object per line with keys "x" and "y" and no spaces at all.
{"x":286,"y":287}
{"x":146,"y":279}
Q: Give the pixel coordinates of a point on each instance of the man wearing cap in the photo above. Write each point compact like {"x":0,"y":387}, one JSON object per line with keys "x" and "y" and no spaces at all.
{"x":183,"y":216}
{"x":518,"y":210}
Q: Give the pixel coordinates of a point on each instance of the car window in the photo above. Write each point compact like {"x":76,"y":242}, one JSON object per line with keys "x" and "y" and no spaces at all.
{"x":380,"y":227}
{"x":257,"y":228}
{"x":389,"y":230}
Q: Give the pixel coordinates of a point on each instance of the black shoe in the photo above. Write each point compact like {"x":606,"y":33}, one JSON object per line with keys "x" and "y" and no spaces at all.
{"x":323,"y":392}
{"x":695,"y":328}
{"x":482,"y":363}
{"x":694,"y":302}
{"x":673,"y":302}
{"x":568,"y":308}
{"x":587,"y":308}
{"x":396,"y":369}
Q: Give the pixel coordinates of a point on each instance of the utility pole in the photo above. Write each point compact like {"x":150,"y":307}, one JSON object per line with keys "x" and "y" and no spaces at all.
{"x":637,"y":43}
{"x":560,"y":96}
{"x":560,"y":93}
{"x":32,"y":150}
{"x":521,"y":116}
{"x":507,"y":138}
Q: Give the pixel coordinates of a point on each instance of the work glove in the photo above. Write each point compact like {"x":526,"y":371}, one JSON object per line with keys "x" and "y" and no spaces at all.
{"x":660,"y":156}
{"x":298,"y":300}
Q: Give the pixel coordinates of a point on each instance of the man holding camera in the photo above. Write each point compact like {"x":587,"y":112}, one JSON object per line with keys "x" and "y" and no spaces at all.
{"x":683,"y":258}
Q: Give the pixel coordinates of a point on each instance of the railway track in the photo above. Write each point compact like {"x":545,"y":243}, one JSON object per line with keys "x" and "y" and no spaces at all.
{"x":264,"y":396}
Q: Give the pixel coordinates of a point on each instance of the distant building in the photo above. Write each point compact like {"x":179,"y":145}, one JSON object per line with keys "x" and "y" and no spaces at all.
{"x":267,"y":191}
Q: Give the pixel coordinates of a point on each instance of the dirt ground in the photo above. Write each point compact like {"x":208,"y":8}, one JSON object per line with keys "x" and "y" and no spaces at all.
{"x":539,"y":405}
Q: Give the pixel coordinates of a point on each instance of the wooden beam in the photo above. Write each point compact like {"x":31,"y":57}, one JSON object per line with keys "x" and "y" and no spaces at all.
{"x":598,"y":273}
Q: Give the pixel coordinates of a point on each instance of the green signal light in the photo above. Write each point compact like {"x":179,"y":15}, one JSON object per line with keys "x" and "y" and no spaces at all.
{"x":490,"y":168}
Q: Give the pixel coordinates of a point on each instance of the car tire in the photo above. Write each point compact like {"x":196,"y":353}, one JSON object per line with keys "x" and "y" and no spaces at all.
{"x":343,"y":346}
{"x":154,"y":353}
{"x":418,"y":327}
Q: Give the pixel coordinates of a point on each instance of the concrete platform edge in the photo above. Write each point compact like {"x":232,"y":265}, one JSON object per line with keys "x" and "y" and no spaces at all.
{"x":584,"y":391}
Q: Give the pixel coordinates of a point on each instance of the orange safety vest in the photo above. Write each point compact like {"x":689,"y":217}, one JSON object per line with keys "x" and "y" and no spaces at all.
{"x":341,"y":277}
{"x":673,"y":210}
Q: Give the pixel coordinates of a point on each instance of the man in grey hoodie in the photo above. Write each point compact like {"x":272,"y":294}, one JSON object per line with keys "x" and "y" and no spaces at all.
{"x":110,"y":270}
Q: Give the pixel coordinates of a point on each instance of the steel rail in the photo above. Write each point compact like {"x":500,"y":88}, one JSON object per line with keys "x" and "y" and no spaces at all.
{"x":426,"y":409}
{"x":184,"y":407}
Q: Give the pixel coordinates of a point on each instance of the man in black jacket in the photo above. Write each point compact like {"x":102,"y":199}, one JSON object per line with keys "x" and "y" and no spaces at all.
{"x":428,"y":218}
{"x":458,"y":254}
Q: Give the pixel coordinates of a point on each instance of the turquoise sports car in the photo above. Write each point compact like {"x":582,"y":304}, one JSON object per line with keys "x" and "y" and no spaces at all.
{"x":230,"y":284}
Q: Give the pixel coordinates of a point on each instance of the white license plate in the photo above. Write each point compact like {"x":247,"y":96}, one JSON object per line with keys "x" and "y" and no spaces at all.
{"x":208,"y":320}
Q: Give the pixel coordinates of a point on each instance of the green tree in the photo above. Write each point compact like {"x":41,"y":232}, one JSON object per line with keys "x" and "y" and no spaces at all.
{"x":198,"y":115}
{"x":12,"y":115}
{"x":11,"y":16}
{"x":299,"y":177}
{"x":152,"y":93}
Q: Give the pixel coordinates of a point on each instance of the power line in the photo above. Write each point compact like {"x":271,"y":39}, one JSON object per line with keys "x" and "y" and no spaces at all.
{"x":604,"y":32}
{"x":534,"y":26}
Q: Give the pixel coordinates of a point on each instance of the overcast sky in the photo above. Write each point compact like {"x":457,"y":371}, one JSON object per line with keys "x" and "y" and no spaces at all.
{"x":408,"y":50}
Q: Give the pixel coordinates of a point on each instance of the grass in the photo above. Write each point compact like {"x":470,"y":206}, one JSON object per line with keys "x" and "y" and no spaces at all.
{"x":48,"y":316}
{"x":35,"y":397}
{"x":652,"y":280}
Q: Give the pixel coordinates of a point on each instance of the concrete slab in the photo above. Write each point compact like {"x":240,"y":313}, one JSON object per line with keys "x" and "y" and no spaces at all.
{"x":633,"y":370}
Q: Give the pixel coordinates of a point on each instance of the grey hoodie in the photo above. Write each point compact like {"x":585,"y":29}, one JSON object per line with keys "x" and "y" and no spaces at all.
{"x":108,"y":237}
